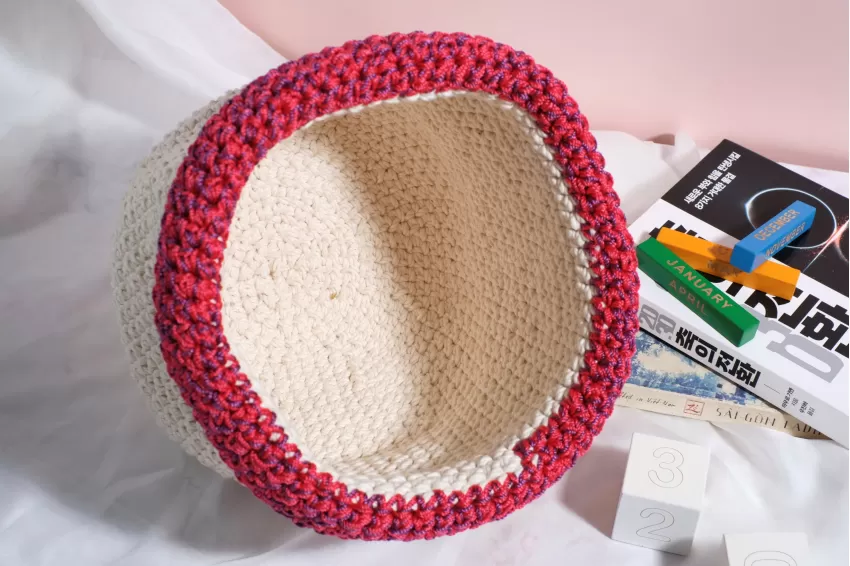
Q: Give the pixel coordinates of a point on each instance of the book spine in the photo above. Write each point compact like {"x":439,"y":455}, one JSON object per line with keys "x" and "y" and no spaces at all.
{"x":711,"y":410}
{"x":721,"y":358}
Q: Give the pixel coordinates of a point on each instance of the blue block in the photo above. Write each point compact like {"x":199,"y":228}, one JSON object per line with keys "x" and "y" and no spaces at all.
{"x":772,"y":236}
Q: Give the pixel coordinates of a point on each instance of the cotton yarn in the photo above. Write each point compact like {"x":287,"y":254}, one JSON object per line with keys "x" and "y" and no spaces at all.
{"x":387,"y":287}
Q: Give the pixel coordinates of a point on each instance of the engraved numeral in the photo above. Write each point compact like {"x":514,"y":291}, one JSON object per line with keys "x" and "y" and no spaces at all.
{"x":670,"y":461}
{"x":769,"y":558}
{"x":651,"y":531}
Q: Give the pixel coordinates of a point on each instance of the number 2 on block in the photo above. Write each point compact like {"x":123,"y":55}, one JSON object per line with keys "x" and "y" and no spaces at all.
{"x":669,"y":463}
{"x":651,"y":531}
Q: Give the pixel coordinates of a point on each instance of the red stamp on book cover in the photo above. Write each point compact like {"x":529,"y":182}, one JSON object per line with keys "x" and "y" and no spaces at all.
{"x":693,"y":407}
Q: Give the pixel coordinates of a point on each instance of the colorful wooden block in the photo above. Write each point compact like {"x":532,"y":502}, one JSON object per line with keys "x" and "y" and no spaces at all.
{"x":662,"y":494}
{"x":772,"y":236}
{"x":772,"y":277}
{"x":692,"y":289}
{"x":774,"y":549}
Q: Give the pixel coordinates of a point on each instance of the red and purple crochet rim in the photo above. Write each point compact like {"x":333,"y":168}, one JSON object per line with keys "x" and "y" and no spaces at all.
{"x":194,"y":232}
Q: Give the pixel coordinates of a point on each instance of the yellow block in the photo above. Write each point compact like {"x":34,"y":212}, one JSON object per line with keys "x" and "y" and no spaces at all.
{"x":772,"y":277}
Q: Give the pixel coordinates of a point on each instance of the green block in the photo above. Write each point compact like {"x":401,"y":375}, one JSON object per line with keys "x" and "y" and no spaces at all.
{"x":695,"y":292}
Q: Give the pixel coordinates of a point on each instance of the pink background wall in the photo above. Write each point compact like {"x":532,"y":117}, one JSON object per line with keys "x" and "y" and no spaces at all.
{"x":769,"y":74}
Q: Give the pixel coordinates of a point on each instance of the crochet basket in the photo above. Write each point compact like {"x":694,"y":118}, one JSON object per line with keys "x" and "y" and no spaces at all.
{"x":387,"y":287}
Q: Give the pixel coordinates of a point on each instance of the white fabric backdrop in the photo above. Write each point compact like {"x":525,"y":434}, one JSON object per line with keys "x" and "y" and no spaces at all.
{"x":87,"y":478}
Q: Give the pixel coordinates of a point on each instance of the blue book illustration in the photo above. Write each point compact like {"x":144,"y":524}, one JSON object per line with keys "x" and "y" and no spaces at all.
{"x":658,"y":366}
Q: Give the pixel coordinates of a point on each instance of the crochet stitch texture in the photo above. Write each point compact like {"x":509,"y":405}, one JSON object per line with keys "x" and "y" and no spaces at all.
{"x":387,"y":287}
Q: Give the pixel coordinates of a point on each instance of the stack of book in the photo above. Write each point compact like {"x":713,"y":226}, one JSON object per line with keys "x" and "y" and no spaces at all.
{"x":666,"y":381}
{"x":797,"y":361}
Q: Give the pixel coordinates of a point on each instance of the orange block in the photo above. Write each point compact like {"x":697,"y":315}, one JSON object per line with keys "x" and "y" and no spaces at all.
{"x":772,"y":277}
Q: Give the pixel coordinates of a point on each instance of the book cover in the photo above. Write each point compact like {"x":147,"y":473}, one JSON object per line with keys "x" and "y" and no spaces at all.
{"x":798,"y":359}
{"x":665,"y":381}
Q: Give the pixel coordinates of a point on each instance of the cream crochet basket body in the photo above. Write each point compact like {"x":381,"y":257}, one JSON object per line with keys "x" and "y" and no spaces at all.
{"x":387,"y":287}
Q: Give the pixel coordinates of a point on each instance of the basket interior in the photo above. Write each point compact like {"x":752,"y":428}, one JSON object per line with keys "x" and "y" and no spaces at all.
{"x":404,"y":285}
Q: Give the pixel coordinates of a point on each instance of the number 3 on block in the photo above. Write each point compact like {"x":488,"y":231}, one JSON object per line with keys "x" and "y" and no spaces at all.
{"x":668,"y":472}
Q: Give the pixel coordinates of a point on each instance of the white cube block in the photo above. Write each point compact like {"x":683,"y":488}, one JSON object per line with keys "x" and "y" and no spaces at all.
{"x":767,"y":549}
{"x":662,"y":494}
